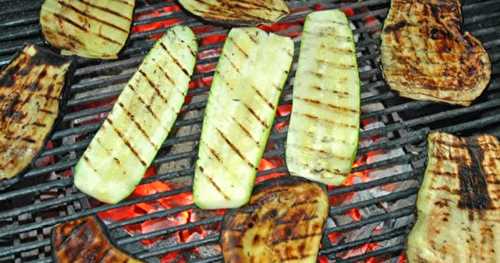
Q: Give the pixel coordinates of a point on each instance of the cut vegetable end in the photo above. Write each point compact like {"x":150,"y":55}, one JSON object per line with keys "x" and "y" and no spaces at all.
{"x":324,"y":128}
{"x":250,"y":76}
{"x":126,"y":144}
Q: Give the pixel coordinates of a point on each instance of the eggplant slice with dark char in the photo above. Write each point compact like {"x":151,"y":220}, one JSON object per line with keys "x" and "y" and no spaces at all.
{"x":87,"y":28}
{"x":458,"y":206}
{"x":425,"y":56}
{"x":283,"y":222}
{"x":31,"y":92}
{"x":247,"y":12}
{"x":85,"y":241}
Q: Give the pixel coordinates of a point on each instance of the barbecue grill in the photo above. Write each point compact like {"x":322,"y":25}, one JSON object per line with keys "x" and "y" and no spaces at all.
{"x":369,"y":216}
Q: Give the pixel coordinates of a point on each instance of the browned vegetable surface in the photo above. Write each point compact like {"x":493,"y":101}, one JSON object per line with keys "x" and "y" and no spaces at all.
{"x":458,"y":204}
{"x":247,"y":12}
{"x":425,"y":56}
{"x":282,"y":222}
{"x":30,"y":92}
{"x":87,"y":28}
{"x":84,"y":241}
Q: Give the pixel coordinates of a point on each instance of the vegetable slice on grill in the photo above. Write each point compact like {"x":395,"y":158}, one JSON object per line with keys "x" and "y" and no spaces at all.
{"x":141,"y":119}
{"x":324,"y":127}
{"x":88,"y":28}
{"x":31,"y":89}
{"x":84,"y":241}
{"x":250,"y":76}
{"x":248,"y":12}
{"x":458,"y":206}
{"x":283,"y":222}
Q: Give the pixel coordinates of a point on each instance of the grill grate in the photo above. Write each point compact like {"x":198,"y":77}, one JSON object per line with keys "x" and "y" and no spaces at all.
{"x":45,"y":196}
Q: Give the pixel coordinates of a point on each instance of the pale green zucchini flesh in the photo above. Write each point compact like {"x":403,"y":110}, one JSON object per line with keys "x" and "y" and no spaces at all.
{"x":126,"y":144}
{"x":87,"y":28}
{"x":324,"y":126}
{"x":250,"y":76}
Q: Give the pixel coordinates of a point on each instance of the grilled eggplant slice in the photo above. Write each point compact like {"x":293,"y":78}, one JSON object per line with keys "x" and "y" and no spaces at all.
{"x":459,"y":202}
{"x":324,"y":126}
{"x":248,"y":12}
{"x":87,"y":28}
{"x":84,"y":241}
{"x":140,"y":121}
{"x":31,"y":89}
{"x":250,"y":76}
{"x":282,"y":223}
{"x":425,"y":56}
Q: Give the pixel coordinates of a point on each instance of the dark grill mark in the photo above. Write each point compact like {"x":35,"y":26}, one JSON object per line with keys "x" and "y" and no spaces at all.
{"x":395,"y":27}
{"x":263,"y":97}
{"x":153,"y":86}
{"x":256,"y":116}
{"x":294,"y":238}
{"x":231,"y":62}
{"x":127,"y":143}
{"x":131,"y":117}
{"x":89,"y":164}
{"x":110,"y":154}
{"x":330,"y":154}
{"x":215,"y":185}
{"x":47,"y":111}
{"x":186,"y":72}
{"x":313,"y":117}
{"x":38,"y":124}
{"x":165,"y":73}
{"x":87,"y":14}
{"x":107,"y":10}
{"x":148,"y":107}
{"x":473,"y":187}
{"x":336,"y":92}
{"x":334,"y":107}
{"x":84,"y":29}
{"x":239,"y":48}
{"x":28,"y":139}
{"x":234,"y":148}
{"x":244,"y":129}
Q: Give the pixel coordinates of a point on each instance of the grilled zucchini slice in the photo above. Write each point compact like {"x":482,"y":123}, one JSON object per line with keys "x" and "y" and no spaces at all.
{"x":85,"y":241}
{"x":31,"y":89}
{"x":250,"y":76}
{"x":324,"y":126}
{"x":141,"y":119}
{"x":282,"y":223}
{"x":249,"y":12}
{"x":458,"y":206}
{"x":87,"y":28}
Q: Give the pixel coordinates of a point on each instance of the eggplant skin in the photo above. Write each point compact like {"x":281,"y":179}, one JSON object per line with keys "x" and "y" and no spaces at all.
{"x":425,"y":56}
{"x":31,"y":89}
{"x":85,"y":241}
{"x":283,"y":222}
{"x":248,"y":12}
{"x":87,"y":28}
{"x":458,"y":205}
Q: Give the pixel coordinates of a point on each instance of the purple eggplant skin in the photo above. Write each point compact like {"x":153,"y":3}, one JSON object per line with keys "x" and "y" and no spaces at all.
{"x":32,"y":94}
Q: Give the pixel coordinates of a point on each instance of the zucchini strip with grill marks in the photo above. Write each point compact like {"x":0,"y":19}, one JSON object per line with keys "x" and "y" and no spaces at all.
{"x":283,"y":222}
{"x":87,"y":28}
{"x":247,"y":12}
{"x":31,"y":92}
{"x":250,"y":76}
{"x":85,"y":241}
{"x":324,"y":126}
{"x":140,"y":121}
